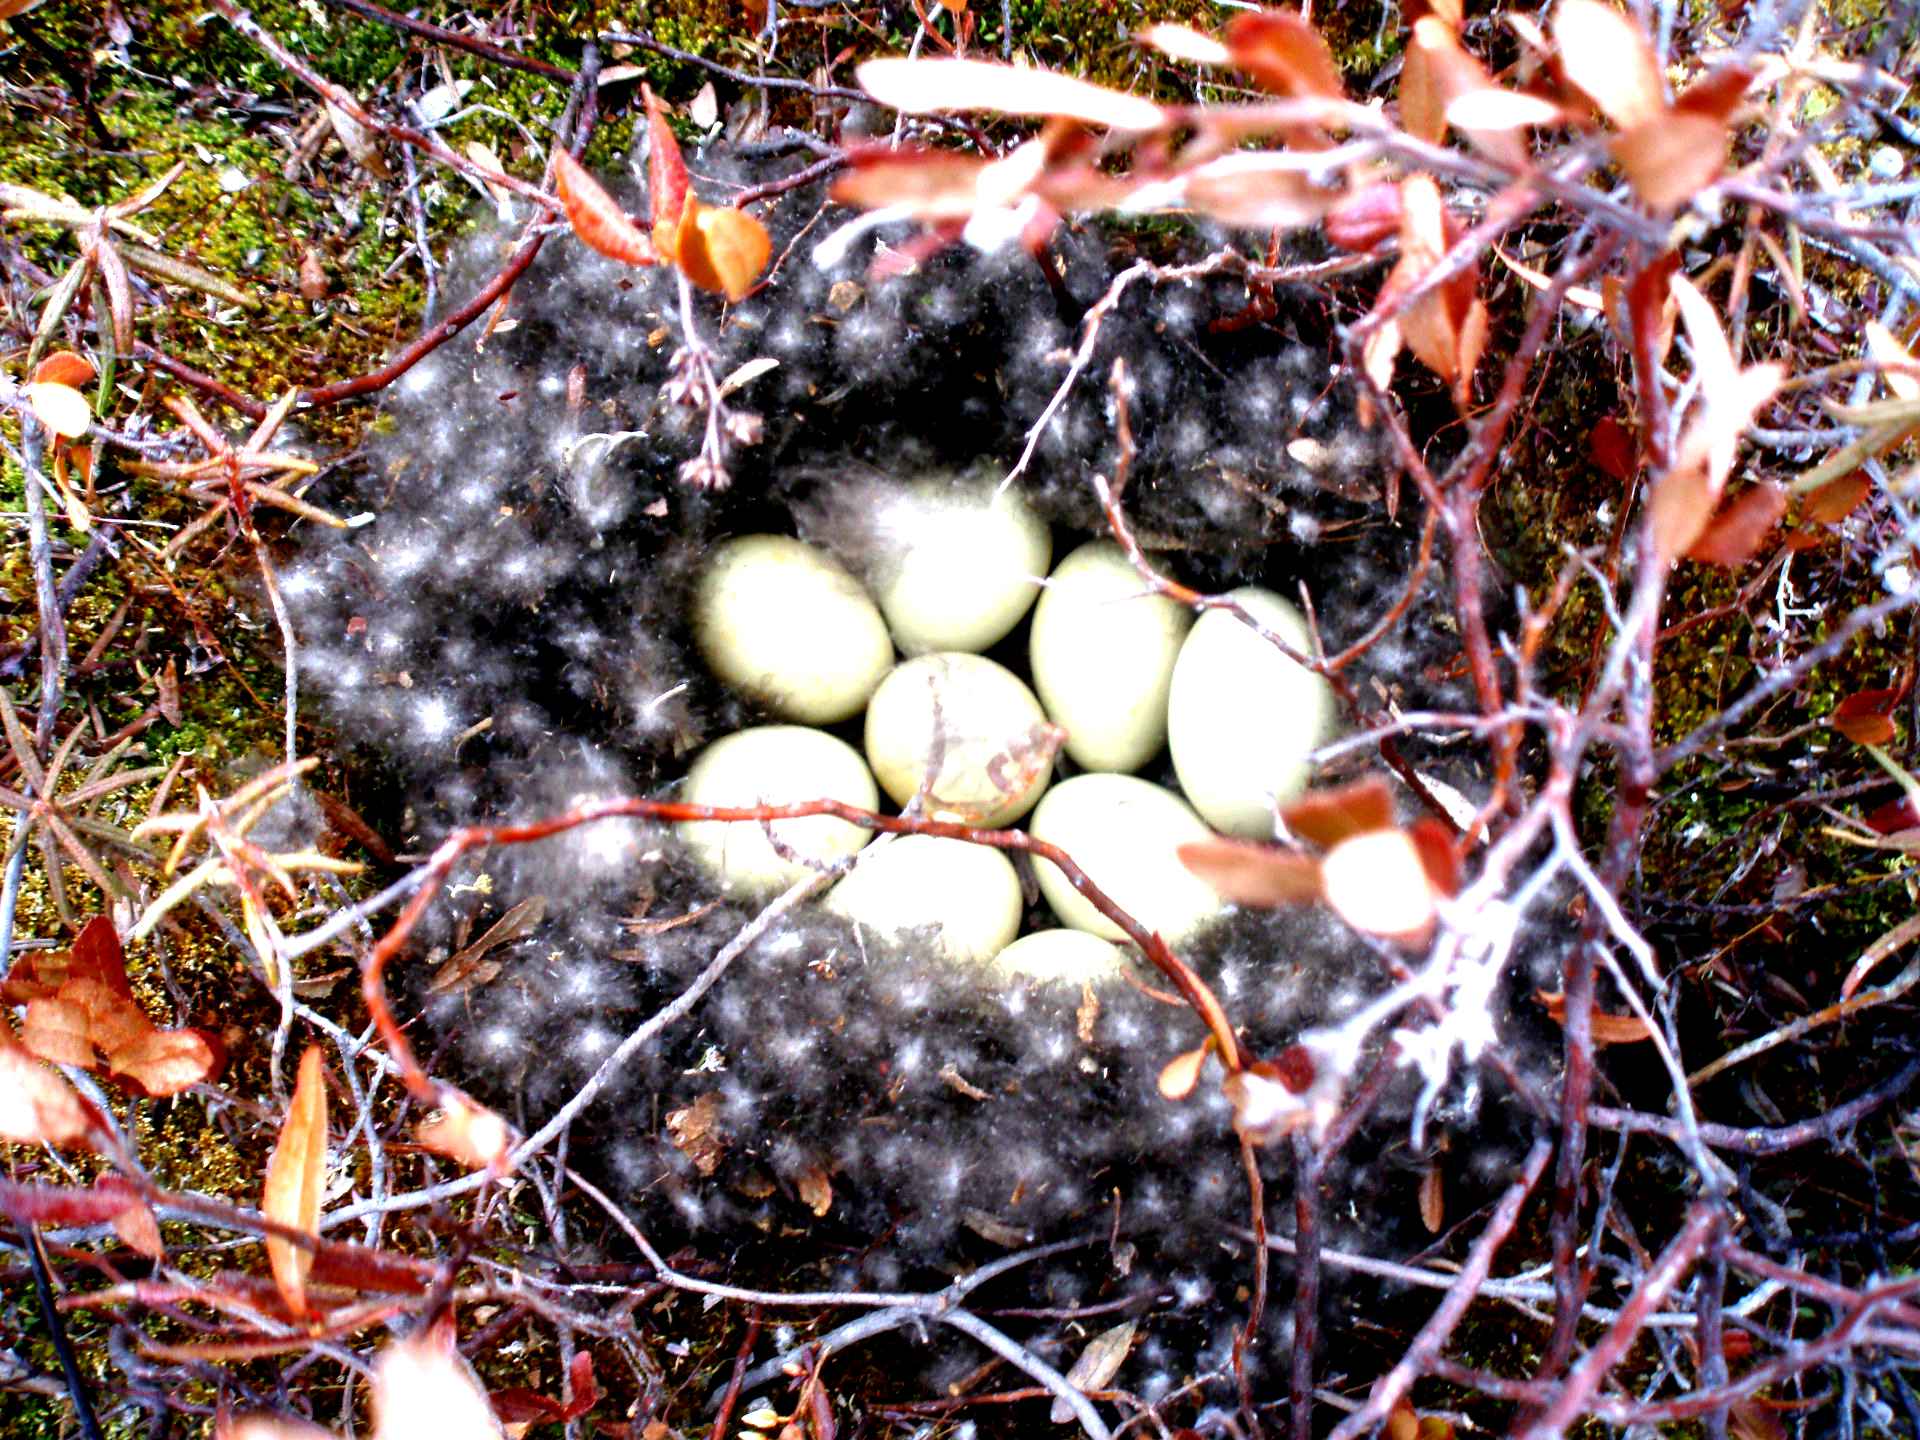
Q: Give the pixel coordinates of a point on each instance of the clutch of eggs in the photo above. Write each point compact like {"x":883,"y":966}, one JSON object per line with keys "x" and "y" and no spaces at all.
{"x":1124,"y":672}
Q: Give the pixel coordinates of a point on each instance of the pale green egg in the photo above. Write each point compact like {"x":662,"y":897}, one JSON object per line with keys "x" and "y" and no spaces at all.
{"x":778,"y":765}
{"x":1103,"y":651}
{"x":1242,"y":718}
{"x":968,"y":893}
{"x":978,"y":719}
{"x":1125,"y":833}
{"x":1068,"y":958}
{"x":955,"y":563}
{"x":782,"y":621}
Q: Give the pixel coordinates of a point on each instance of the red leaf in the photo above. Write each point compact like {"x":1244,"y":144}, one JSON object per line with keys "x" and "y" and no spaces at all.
{"x":1892,"y":817}
{"x":66,"y":1205}
{"x":1284,"y":53}
{"x":667,"y":183}
{"x":1610,"y":447}
{"x":356,"y":1267}
{"x":1439,"y":854}
{"x":586,"y":1393}
{"x":1326,"y":817}
{"x":1366,"y":217}
{"x":1736,"y":532}
{"x":1866,"y":716}
{"x":1718,"y":93}
{"x":596,"y":216}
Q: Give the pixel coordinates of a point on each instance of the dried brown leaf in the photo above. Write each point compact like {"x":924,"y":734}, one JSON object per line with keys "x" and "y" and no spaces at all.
{"x":1836,"y":499}
{"x":815,"y":1187}
{"x":1433,"y":1199}
{"x":295,"y":1171}
{"x":1097,"y":1365}
{"x":692,"y":1128}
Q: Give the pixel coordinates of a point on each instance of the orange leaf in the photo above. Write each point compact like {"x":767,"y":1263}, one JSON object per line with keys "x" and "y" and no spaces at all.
{"x":1678,"y":509}
{"x":1182,"y":42}
{"x":1673,"y":156}
{"x":1326,"y":817}
{"x":1735,"y":533}
{"x":1180,"y":1075}
{"x":468,"y":1133}
{"x":423,"y":1386}
{"x":1284,"y":53}
{"x":138,"y":1227}
{"x":164,"y":1062}
{"x":1866,"y":717}
{"x":63,"y":367}
{"x":1437,"y":74}
{"x":1836,"y":499}
{"x":1248,"y":874}
{"x":723,"y":249}
{"x":1608,"y":1029}
{"x":1378,"y":883}
{"x":667,"y":183}
{"x":61,"y":408}
{"x":37,"y":1106}
{"x":1256,"y":190}
{"x":1609,"y":58}
{"x":294,"y":1174}
{"x":596,"y":216}
{"x":920,"y":87}
{"x":931,"y":184}
{"x":55,"y":1029}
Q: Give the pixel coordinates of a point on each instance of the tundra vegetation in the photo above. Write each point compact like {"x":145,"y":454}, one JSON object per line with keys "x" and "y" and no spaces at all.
{"x":1600,"y":320}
